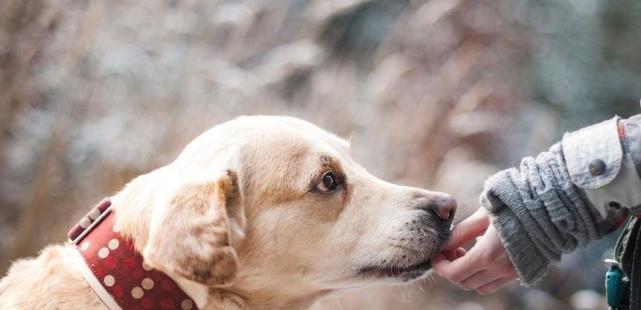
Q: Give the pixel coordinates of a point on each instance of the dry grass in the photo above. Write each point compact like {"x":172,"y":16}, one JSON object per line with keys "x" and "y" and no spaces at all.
{"x":94,"y":93}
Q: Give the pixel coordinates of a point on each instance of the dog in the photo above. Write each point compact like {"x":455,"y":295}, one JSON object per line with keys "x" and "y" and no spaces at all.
{"x":260,"y":212}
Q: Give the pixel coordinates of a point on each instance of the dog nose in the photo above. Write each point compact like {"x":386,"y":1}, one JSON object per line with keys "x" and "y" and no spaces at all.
{"x":444,"y":207}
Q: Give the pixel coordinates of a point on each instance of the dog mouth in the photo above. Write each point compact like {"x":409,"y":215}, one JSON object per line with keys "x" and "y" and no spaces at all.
{"x":405,"y":273}
{"x":413,"y":271}
{"x":436,"y":237}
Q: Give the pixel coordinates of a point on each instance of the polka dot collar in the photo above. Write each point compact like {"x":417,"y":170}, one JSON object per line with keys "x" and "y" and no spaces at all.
{"x":115,"y":270}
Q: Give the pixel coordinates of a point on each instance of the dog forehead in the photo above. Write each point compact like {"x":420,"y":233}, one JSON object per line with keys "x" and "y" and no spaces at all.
{"x":270,"y":138}
{"x":272,"y":129}
{"x":287,"y":151}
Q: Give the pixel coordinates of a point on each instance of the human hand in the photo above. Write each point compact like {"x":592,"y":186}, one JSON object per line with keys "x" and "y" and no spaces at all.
{"x":486,"y":267}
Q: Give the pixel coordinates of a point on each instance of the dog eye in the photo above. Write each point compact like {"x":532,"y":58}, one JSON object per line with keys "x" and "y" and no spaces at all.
{"x":328,"y":183}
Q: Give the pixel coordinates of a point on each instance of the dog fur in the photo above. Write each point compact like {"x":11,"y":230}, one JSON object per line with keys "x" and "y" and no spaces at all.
{"x":240,"y":218}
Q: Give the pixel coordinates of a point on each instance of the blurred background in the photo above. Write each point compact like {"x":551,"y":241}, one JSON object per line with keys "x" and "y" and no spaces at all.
{"x":437,"y":93}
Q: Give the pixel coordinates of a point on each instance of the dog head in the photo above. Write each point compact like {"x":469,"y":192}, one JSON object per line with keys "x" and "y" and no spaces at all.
{"x":279,"y":202}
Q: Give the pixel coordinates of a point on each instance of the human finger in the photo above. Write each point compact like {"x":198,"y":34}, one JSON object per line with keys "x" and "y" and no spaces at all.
{"x":480,"y":279}
{"x":468,"y":229}
{"x":454,"y":254}
{"x":458,"y":269}
{"x":494,"y":285}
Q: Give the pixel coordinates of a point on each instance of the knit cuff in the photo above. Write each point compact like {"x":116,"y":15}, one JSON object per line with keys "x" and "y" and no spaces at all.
{"x":530,"y":264}
{"x":505,"y":205}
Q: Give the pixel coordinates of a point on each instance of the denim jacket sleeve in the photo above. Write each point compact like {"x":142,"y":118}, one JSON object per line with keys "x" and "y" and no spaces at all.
{"x":604,"y":160}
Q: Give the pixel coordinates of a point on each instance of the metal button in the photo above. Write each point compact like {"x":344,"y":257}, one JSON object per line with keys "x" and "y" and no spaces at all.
{"x":597,"y":167}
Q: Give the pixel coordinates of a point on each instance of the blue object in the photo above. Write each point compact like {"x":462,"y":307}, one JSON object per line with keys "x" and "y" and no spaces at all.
{"x":614,"y":286}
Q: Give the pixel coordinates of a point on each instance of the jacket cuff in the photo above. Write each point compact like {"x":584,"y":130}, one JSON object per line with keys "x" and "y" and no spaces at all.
{"x":604,"y":160}
{"x":593,"y":155}
{"x":632,"y":140}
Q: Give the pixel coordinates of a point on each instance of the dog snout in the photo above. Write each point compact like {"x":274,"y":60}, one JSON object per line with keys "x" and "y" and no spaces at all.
{"x":443,"y":206}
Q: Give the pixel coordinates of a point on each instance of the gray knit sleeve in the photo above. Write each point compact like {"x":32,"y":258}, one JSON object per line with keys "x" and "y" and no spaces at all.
{"x":539,"y":213}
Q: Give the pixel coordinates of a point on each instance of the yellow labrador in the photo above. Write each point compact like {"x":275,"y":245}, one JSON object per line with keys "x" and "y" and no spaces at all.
{"x":260,"y":212}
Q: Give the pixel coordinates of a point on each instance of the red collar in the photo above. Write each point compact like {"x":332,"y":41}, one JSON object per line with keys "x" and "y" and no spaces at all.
{"x":115,"y":269}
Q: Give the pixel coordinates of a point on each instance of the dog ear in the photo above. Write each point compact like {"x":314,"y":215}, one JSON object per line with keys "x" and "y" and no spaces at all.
{"x":191,"y":235}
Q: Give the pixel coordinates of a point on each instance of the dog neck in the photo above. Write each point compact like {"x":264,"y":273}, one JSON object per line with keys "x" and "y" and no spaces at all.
{"x":238,"y":298}
{"x":253,"y":289}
